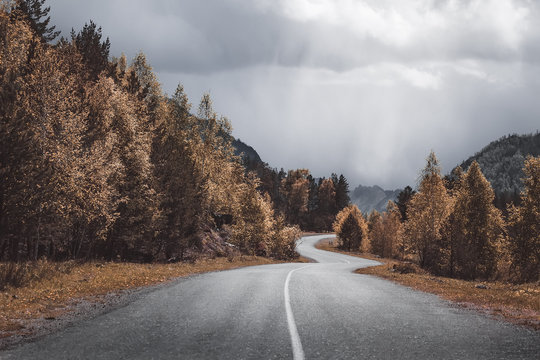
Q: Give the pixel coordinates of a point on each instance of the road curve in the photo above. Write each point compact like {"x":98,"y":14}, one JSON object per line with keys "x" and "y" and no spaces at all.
{"x":285,"y":311}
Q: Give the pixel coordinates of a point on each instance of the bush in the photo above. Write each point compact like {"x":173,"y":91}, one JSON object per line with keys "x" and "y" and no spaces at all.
{"x":13,"y":274}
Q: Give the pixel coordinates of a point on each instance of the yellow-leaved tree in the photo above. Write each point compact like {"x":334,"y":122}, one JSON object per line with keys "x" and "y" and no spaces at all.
{"x":524,"y":225}
{"x":427,"y":212}
{"x":479,"y":227}
{"x":375,"y":231}
{"x":351,"y":229}
{"x":393,"y":231}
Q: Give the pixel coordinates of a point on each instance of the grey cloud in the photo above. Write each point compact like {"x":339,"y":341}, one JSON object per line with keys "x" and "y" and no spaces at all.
{"x":324,"y":95}
{"x":216,"y":35}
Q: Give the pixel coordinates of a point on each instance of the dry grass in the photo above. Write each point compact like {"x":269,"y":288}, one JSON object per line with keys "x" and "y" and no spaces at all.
{"x":51,"y":288}
{"x":517,"y":303}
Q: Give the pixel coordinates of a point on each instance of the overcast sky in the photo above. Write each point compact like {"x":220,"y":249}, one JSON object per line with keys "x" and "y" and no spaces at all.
{"x":364,"y":88}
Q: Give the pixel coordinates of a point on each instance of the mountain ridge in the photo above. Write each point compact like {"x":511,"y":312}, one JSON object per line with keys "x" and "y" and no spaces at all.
{"x":502,"y":161}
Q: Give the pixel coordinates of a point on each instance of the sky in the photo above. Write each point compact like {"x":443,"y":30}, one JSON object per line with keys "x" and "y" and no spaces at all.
{"x":366,"y":88}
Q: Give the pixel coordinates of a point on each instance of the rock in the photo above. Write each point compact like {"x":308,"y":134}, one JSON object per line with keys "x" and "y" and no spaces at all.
{"x":481,"y":286}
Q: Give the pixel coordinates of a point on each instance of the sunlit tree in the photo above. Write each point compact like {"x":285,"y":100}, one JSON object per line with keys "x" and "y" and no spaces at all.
{"x":524,"y":225}
{"x":427,"y":212}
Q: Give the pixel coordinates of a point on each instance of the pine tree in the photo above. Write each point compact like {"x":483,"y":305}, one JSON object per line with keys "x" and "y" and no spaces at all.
{"x":37,"y":17}
{"x":524,"y":225}
{"x":403,"y":201}
{"x":342,"y":193}
{"x":95,"y":53}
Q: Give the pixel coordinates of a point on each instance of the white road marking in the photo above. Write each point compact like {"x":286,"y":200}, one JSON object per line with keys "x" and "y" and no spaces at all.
{"x":298,"y":352}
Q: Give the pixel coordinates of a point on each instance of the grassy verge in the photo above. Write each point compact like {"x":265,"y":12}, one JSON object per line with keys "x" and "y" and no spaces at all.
{"x":517,"y":303}
{"x":52,"y":288}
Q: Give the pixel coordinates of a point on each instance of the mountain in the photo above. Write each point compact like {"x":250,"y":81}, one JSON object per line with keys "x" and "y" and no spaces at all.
{"x":248,"y":153}
{"x":502,"y":161}
{"x":369,"y":198}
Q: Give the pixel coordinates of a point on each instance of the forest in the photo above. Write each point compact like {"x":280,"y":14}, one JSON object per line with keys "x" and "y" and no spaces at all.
{"x":451,"y":226}
{"x":96,"y":162}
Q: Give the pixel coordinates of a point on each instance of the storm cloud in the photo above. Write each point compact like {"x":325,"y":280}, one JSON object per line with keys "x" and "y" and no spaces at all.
{"x":364,"y":88}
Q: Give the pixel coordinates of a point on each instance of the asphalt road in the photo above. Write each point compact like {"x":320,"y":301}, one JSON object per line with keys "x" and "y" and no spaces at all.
{"x":312,"y":311}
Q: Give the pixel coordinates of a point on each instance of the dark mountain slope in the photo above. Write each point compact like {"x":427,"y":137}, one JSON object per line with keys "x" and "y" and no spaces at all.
{"x":502,"y":161}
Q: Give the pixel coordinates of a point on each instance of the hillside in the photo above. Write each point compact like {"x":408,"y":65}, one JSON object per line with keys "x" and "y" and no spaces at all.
{"x":369,"y":198}
{"x":502,"y":161}
{"x":248,"y":153}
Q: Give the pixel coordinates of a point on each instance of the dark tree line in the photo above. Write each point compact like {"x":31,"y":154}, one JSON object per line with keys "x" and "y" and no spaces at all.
{"x":311,"y":203}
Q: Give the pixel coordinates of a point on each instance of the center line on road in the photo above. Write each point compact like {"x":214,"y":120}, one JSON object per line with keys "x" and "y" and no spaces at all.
{"x":298,"y":352}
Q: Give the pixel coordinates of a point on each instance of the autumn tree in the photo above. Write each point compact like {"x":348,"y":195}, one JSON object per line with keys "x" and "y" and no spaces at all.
{"x":351,"y":229}
{"x":524,"y":225}
{"x":454,"y":180}
{"x":385,"y":232}
{"x":393,"y":244}
{"x":482,"y":226}
{"x":428,"y":210}
{"x":376,"y":232}
{"x":178,"y":178}
{"x":452,"y":231}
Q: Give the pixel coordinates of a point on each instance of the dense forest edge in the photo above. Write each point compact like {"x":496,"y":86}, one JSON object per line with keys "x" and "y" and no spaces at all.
{"x":97,"y":163}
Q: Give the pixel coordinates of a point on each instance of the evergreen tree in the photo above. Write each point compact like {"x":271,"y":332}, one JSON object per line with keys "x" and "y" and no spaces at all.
{"x":37,"y":16}
{"x":403,"y":201}
{"x":95,"y":53}
{"x":342,"y":193}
